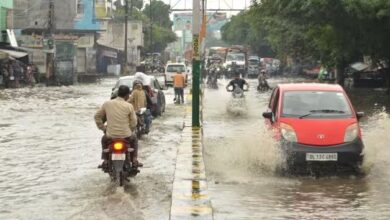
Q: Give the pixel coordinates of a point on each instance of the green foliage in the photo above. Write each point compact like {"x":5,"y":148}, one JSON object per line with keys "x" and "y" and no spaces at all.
{"x":159,"y":13}
{"x":336,"y":32}
{"x":158,"y":19}
{"x":162,"y":33}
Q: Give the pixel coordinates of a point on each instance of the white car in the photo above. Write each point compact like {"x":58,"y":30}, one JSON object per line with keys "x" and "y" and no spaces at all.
{"x":171,"y":69}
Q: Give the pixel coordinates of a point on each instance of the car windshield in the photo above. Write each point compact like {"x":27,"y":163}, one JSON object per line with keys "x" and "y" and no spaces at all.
{"x":176,"y":68}
{"x":315,"y":104}
{"x":125,"y":82}
{"x":235,"y":57}
{"x":253,"y":62}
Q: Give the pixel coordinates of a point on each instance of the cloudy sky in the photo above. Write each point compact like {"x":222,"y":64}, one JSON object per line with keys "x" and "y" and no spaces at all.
{"x":223,"y":4}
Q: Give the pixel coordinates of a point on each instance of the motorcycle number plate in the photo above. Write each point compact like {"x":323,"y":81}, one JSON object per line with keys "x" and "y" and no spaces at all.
{"x":118,"y":156}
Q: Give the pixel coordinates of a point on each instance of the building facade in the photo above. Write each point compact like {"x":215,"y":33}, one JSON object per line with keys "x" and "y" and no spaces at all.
{"x":6,"y":7}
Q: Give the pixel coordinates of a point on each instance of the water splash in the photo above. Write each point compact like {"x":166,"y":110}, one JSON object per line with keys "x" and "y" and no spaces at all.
{"x":376,"y":139}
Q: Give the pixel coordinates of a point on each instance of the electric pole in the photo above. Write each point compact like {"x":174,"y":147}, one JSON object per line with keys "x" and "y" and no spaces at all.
{"x":151,"y":27}
{"x":50,"y":77}
{"x":196,"y":64}
{"x":126,"y":30}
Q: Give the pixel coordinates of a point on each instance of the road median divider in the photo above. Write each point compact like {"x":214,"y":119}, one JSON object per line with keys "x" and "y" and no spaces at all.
{"x":190,"y":198}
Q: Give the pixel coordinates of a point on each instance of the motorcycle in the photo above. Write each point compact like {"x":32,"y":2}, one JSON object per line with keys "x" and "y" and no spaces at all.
{"x":263,"y":86}
{"x":212,"y":78}
{"x":142,"y":127}
{"x":237,"y":93}
{"x":237,"y":104}
{"x":119,"y":166}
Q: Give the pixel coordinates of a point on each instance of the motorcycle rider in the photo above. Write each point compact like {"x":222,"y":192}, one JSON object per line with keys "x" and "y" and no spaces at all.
{"x":121,"y":121}
{"x":262,"y":79}
{"x":237,"y":82}
{"x":139,"y":100}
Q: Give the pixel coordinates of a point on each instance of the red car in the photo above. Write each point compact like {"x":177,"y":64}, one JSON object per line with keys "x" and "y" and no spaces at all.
{"x":316,"y":124}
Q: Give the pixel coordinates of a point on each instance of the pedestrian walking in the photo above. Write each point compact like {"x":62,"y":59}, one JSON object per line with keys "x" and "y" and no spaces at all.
{"x":178,"y":85}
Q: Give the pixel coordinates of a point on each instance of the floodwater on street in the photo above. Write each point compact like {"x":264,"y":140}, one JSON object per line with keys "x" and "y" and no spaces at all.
{"x":241,"y":162}
{"x":51,"y":148}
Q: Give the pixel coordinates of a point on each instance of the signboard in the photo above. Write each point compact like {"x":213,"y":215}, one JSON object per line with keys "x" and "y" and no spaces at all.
{"x":195,"y":47}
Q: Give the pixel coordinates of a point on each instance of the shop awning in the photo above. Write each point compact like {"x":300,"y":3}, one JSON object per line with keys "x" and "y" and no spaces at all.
{"x":14,"y":54}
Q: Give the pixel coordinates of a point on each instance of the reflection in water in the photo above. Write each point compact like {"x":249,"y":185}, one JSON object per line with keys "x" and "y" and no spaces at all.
{"x":241,"y":159}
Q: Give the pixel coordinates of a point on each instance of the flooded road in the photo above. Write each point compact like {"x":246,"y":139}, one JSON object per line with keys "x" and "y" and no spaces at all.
{"x":51,"y":148}
{"x":241,"y":159}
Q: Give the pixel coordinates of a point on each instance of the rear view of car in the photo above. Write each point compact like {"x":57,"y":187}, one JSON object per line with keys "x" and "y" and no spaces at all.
{"x":171,"y":69}
{"x":316,"y":124}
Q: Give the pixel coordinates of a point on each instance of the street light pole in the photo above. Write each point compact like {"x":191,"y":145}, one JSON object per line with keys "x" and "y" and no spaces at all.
{"x":151,"y":26}
{"x":126,"y":30}
{"x":196,"y":64}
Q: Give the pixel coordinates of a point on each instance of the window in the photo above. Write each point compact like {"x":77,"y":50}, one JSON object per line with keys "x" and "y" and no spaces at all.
{"x":316,"y":104}
{"x":176,"y":68}
{"x":79,"y":8}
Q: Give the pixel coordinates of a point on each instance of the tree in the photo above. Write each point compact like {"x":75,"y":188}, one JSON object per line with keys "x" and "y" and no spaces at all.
{"x":159,"y":13}
{"x":336,"y":32}
{"x":159,"y":26}
{"x":162,"y":25}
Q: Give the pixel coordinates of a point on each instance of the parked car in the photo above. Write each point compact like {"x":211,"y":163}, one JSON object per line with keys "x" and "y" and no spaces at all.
{"x":315,"y":124}
{"x":171,"y":69}
{"x":151,"y":84}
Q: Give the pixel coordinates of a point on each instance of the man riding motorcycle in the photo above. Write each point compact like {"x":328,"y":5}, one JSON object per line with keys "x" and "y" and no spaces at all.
{"x":121,"y":121}
{"x":237,"y":82}
{"x":262,"y":79}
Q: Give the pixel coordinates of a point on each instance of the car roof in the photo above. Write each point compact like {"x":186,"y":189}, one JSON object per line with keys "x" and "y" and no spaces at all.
{"x":175,"y":64}
{"x":310,"y":87}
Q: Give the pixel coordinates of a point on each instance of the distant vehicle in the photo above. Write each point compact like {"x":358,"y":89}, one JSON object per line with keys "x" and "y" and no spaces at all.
{"x":155,"y":90}
{"x":236,"y":54}
{"x":253,"y":66}
{"x":171,"y":69}
{"x":316,"y":124}
{"x":271,"y":65}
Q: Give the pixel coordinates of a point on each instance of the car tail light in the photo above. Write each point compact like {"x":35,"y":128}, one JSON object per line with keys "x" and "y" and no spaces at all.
{"x":288,"y":132}
{"x":118,"y":146}
{"x":351,"y":133}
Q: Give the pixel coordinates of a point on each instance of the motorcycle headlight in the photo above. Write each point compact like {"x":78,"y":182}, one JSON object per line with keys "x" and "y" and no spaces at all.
{"x":229,"y":69}
{"x":351,"y":133}
{"x":218,"y":69}
{"x":288,"y":133}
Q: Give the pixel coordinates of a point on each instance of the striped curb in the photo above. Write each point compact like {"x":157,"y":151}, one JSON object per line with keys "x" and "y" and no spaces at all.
{"x":190,"y":199}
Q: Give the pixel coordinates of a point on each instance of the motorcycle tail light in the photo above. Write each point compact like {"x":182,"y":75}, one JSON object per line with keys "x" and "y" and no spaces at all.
{"x":118,"y":146}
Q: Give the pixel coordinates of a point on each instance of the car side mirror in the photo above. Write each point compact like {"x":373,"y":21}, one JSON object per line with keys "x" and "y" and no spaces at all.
{"x":113,"y":89}
{"x":268,"y":115}
{"x":359,"y":115}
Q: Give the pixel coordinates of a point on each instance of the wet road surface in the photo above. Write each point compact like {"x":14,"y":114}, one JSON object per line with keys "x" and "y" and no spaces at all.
{"x":50,"y":150}
{"x":241,"y":161}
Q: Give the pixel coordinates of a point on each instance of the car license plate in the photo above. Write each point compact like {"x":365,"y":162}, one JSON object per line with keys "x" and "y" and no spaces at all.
{"x":118,"y":156}
{"x":321,"y":156}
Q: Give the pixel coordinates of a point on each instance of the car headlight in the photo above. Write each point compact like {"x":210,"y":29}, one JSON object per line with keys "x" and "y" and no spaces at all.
{"x":218,"y":69}
{"x":288,"y":133}
{"x":351,"y":133}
